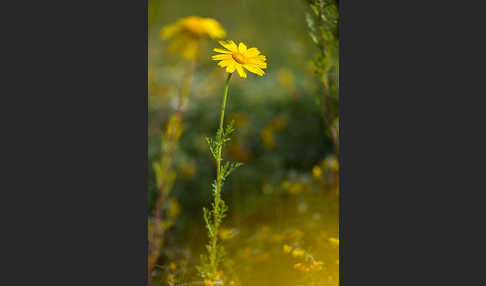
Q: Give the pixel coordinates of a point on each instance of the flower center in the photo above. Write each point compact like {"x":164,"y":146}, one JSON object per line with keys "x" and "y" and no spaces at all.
{"x":238,"y":57}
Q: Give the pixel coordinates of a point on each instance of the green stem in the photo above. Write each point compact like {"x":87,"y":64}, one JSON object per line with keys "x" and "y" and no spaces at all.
{"x":217,"y":196}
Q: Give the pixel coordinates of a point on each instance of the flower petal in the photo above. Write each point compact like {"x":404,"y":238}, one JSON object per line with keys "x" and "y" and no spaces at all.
{"x":242,"y":48}
{"x":230,"y":45}
{"x":222,"y":51}
{"x":241,"y":71}
{"x":231,"y":67}
{"x":252,"y":52}
{"x":259,"y":64}
{"x":225,"y":63}
{"x":221,"y":57}
{"x":254,"y":69}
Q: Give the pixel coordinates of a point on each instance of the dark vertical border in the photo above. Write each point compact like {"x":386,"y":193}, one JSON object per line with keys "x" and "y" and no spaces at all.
{"x":76,"y":156}
{"x":409,"y":122}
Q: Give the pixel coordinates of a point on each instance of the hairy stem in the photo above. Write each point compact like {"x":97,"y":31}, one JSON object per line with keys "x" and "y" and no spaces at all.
{"x":217,"y":195}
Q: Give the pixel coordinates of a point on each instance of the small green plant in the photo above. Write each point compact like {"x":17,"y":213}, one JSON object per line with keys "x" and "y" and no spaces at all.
{"x":233,"y":58}
{"x":214,"y":216}
{"x":323,"y":24}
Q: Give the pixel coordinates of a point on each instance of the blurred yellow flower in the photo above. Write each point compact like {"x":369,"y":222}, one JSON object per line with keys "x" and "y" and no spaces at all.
{"x":172,"y":266}
{"x":239,"y":57}
{"x":208,"y":283}
{"x":302,"y":267}
{"x":287,"y":248}
{"x":317,"y":172}
{"x":316,"y":266}
{"x":298,"y":253}
{"x":307,"y":268}
{"x":186,"y":33}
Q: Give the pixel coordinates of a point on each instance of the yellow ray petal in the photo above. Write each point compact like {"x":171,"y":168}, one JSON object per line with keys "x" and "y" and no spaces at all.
{"x":231,"y":67}
{"x":221,"y":57}
{"x":230,"y":45}
{"x":222,"y":51}
{"x":259,"y":57}
{"x":258,"y":63}
{"x":242,"y":48}
{"x":254,"y":69}
{"x":252,"y":52}
{"x":225,"y":63}
{"x":241,"y":71}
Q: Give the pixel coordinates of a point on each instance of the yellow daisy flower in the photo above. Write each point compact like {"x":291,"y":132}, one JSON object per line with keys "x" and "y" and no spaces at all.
{"x":298,"y":253}
{"x":186,"y":33}
{"x":239,"y":57}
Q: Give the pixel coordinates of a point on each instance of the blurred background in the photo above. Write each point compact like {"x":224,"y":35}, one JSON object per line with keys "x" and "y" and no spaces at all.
{"x":285,"y":196}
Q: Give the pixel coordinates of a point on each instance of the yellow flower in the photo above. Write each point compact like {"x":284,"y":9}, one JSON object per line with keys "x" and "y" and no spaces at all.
{"x":208,"y":283}
{"x":298,"y":253}
{"x":172,"y":266}
{"x":219,"y":275}
{"x":287,"y":248}
{"x":316,"y":266}
{"x":239,"y":57}
{"x":317,"y":172}
{"x":186,"y":33}
{"x":302,"y":267}
{"x":298,"y":265}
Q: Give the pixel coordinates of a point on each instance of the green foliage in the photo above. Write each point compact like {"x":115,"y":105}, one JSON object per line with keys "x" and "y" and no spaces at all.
{"x":323,"y":27}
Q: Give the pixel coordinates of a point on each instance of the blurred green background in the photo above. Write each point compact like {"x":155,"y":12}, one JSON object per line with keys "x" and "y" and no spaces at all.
{"x":280,"y":136}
